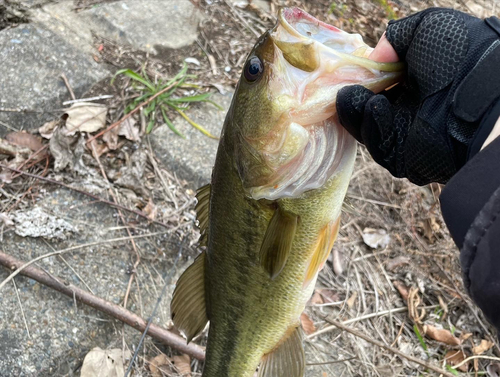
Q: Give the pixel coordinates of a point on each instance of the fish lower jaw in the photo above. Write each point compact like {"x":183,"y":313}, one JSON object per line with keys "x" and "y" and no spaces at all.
{"x":327,"y":149}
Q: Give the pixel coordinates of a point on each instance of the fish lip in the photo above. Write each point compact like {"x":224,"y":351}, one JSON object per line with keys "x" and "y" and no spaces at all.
{"x":285,"y":19}
{"x":295,"y":13}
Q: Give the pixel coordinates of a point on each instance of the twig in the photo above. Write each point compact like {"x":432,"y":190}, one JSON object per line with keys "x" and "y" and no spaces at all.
{"x":69,"y":266}
{"x":138,"y":257}
{"x":66,"y":82}
{"x":485,"y":328}
{"x":332,"y":361}
{"x":117,"y":123}
{"x":89,"y":99}
{"x":22,"y":310}
{"x":372,"y":201}
{"x":113,"y":310}
{"x":159,"y":173}
{"x":59,"y":252}
{"x":391,"y":349}
{"x":367,"y":316}
{"x":492,"y":358}
{"x":153,"y":314}
{"x":242,"y":19}
{"x":95,"y":197}
{"x":27,"y":111}
{"x":8,"y":127}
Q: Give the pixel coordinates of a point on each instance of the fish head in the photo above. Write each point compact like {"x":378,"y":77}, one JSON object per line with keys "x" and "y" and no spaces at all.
{"x":283,"y":120}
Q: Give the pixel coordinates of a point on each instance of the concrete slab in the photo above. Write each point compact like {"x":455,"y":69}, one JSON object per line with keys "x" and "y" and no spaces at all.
{"x":192,"y":158}
{"x":141,"y":24}
{"x":60,"y":332}
{"x":32,"y":60}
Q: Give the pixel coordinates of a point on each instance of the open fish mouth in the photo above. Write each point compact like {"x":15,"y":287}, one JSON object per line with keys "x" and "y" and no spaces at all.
{"x":312,"y":61}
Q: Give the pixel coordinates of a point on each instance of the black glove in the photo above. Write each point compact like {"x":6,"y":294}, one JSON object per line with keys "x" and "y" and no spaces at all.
{"x":427,"y":127}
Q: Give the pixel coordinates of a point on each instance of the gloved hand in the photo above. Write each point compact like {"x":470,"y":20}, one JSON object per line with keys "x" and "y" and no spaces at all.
{"x":428,"y":126}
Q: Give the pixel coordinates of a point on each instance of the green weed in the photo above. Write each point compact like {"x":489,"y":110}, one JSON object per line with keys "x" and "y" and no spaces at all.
{"x":420,"y":339}
{"x":391,"y":15}
{"x":167,"y":97}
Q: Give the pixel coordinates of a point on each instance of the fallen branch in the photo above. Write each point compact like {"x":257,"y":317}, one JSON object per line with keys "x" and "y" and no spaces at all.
{"x":113,"y":310}
{"x":95,"y":197}
{"x":395,"y":351}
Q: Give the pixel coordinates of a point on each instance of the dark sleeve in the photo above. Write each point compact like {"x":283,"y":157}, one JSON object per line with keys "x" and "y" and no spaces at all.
{"x":470,"y":203}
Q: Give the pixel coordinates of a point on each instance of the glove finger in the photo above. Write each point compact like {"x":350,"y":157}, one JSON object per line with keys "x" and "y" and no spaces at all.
{"x":378,"y":131}
{"x":400,"y":32}
{"x":351,"y":102}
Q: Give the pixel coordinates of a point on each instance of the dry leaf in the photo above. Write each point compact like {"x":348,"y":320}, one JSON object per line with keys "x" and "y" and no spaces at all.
{"x":98,"y":149}
{"x":441,"y":335}
{"x":307,"y":324}
{"x":5,"y":219}
{"x":352,"y":299}
{"x":430,"y":226}
{"x":394,"y":263}
{"x":130,"y":130}
{"x":10,"y":149}
{"x":316,"y":299}
{"x":47,"y":130}
{"x":402,"y":289}
{"x":104,"y":363}
{"x":182,"y":364}
{"x":24,"y":139}
{"x":192,"y":61}
{"x":159,"y":364}
{"x":85,"y":117}
{"x":493,"y":370}
{"x":111,"y":138}
{"x":376,"y":238}
{"x":455,"y":357}
{"x":465,"y":336}
{"x":329,"y":295}
{"x":484,"y":346}
{"x":151,"y":210}
{"x":6,"y":176}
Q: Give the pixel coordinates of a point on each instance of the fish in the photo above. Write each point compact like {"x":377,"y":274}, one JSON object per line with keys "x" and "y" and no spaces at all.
{"x":271,"y":213}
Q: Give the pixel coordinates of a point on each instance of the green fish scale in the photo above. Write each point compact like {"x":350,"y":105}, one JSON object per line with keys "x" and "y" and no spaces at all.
{"x":250,"y":313}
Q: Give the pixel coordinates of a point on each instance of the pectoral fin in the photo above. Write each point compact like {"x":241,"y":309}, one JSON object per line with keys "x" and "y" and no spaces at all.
{"x":202,"y":211}
{"x":188,"y":307}
{"x":288,"y":360}
{"x":322,"y":250}
{"x":277,"y":242}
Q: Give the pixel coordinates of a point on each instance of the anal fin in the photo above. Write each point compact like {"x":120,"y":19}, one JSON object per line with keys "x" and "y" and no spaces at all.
{"x":322,"y":249}
{"x":188,"y":307}
{"x":287,"y":360}
{"x":277,"y":242}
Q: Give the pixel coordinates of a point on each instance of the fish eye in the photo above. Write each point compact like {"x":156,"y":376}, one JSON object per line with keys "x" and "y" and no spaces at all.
{"x":253,"y":69}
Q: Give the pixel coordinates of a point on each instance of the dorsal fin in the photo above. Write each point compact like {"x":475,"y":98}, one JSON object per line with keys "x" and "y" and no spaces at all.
{"x":322,"y":249}
{"x":288,"y":360}
{"x":202,"y":211}
{"x":277,"y":242}
{"x":188,"y":308}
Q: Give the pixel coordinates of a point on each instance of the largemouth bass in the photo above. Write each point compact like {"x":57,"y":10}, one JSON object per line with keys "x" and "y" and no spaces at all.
{"x":272,"y":212}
